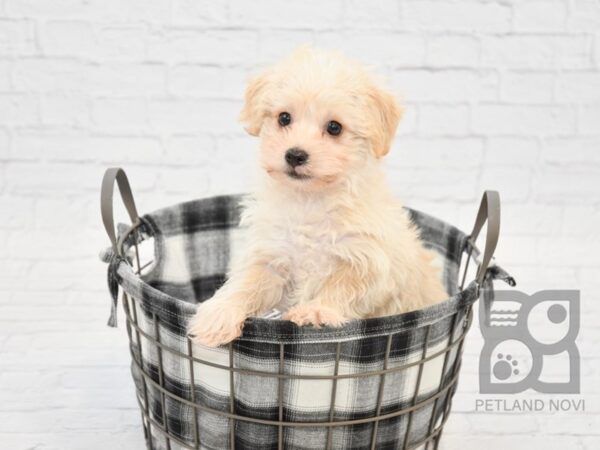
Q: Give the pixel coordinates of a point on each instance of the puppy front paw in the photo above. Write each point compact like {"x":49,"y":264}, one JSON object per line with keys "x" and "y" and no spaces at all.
{"x":216,"y":323}
{"x":315,"y":314}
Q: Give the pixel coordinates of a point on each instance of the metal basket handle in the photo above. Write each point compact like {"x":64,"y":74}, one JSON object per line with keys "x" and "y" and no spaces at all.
{"x":106,"y":202}
{"x":489,"y":211}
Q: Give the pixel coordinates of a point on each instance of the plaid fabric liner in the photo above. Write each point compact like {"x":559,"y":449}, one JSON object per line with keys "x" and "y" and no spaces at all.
{"x":193,"y":244}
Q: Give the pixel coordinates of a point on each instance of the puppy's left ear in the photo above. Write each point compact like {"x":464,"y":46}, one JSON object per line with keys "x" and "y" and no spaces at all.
{"x":254,"y":110}
{"x":386,"y":114}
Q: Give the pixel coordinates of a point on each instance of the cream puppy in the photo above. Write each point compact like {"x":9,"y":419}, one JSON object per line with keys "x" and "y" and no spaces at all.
{"x":327,"y":241}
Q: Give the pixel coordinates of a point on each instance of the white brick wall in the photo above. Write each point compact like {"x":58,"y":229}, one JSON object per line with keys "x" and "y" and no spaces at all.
{"x":498,"y":94}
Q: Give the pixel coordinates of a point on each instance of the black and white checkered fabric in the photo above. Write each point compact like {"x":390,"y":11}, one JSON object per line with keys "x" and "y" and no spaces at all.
{"x":193,"y":244}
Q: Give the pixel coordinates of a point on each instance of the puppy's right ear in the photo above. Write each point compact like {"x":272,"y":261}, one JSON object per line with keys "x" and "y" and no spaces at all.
{"x":254,"y":110}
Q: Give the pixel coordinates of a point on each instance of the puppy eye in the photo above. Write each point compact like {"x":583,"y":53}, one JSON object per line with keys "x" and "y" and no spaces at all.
{"x":284,"y":119}
{"x":334,"y":128}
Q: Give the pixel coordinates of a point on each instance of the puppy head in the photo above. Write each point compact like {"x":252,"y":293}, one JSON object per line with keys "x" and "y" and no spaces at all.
{"x":319,"y":117}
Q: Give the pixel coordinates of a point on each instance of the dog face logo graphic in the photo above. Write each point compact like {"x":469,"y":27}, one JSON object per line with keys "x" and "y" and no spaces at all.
{"x":529,"y":343}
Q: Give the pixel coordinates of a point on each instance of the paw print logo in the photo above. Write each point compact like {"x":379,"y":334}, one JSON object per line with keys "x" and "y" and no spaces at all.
{"x":505,"y":367}
{"x":510,"y":363}
{"x":523,"y":334}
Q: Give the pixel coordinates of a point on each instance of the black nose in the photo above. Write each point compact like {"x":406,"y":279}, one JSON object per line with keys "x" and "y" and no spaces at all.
{"x":296,"y":157}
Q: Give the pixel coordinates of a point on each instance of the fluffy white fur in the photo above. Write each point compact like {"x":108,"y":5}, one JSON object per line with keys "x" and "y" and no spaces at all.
{"x":330,"y":243}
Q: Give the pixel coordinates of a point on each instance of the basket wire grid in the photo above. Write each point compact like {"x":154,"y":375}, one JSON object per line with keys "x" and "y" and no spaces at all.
{"x":444,"y":393}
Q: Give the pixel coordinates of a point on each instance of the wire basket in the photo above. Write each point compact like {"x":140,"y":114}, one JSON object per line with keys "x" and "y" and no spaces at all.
{"x":382,"y":383}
